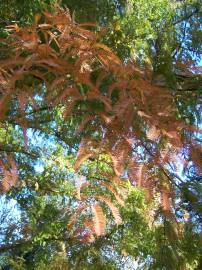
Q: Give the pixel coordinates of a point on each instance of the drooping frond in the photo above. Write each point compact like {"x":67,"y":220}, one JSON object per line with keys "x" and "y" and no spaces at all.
{"x":113,"y":208}
{"x":117,"y":195}
{"x":99,"y":220}
{"x":9,"y":173}
{"x":85,"y":151}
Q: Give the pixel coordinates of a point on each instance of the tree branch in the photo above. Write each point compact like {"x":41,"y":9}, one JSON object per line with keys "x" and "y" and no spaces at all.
{"x":186,"y":17}
{"x":24,"y":242}
{"x":15,"y":150}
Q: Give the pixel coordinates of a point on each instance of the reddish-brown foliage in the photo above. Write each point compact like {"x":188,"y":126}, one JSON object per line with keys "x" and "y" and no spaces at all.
{"x":136,"y":121}
{"x":9,"y":173}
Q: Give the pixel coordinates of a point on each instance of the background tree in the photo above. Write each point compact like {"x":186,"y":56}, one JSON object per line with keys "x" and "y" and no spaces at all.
{"x":54,"y":188}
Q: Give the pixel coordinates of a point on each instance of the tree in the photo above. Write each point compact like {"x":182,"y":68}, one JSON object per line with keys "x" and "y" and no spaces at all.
{"x":57,"y":78}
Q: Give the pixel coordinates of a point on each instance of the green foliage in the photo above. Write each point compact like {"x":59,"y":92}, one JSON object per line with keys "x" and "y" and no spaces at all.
{"x":21,"y":10}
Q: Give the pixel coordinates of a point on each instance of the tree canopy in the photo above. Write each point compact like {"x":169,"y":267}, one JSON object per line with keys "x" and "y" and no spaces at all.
{"x":100,"y":139}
